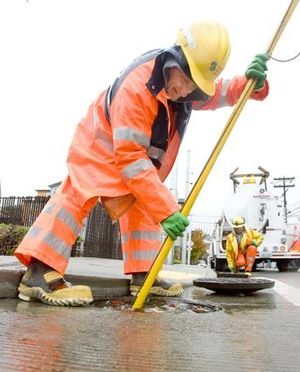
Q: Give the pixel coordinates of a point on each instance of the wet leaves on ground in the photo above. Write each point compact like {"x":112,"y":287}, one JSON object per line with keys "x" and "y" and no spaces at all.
{"x":160,"y":305}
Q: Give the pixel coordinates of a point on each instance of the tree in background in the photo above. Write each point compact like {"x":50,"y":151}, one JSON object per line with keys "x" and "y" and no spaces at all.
{"x":199,"y":247}
{"x":177,"y":255}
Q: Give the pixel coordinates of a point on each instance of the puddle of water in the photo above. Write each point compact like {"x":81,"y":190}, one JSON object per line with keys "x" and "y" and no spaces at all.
{"x":160,"y":305}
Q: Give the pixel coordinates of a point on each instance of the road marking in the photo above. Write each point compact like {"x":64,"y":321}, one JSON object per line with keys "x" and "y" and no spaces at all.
{"x":291,"y":294}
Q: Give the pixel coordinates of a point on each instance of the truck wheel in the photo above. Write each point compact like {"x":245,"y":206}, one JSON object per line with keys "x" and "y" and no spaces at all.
{"x":254,"y":266}
{"x":221,"y":264}
{"x":288,"y":265}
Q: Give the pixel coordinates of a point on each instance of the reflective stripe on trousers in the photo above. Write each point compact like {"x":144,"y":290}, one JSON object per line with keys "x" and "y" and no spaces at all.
{"x":51,"y":237}
{"x":141,"y":240}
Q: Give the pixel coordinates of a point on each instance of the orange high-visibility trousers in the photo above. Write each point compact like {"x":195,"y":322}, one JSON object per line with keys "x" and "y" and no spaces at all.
{"x":51,"y":237}
{"x":141,"y":240}
{"x":247,"y":258}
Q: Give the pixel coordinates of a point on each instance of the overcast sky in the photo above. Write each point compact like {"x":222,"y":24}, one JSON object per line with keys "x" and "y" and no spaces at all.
{"x":58,"y":55}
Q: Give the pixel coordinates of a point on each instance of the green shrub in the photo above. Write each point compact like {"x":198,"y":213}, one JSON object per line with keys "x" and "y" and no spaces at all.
{"x":75,"y":252}
{"x":10,"y":237}
{"x":199,"y":246}
{"x":177,"y":255}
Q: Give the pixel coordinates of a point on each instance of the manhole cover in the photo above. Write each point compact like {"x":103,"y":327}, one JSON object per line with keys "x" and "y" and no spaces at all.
{"x":160,"y":305}
{"x":234,"y":285}
{"x":221,"y":274}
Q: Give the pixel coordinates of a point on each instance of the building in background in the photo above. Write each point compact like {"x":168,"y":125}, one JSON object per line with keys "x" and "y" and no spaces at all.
{"x":42,"y":192}
{"x":54,"y":187}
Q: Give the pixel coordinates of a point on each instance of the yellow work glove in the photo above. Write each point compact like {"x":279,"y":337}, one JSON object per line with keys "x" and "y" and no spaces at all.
{"x":231,"y":268}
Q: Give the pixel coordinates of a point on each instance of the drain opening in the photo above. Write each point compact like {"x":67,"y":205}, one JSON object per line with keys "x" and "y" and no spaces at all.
{"x":159,"y":305}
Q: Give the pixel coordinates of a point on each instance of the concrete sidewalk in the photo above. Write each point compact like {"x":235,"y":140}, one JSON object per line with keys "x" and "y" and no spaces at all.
{"x":104,"y":276}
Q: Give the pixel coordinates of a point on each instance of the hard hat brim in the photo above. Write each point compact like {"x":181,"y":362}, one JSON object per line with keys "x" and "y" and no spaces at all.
{"x":208,"y":87}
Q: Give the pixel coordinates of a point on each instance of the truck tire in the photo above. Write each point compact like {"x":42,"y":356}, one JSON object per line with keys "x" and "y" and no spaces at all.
{"x":221,"y":264}
{"x":288,"y":265}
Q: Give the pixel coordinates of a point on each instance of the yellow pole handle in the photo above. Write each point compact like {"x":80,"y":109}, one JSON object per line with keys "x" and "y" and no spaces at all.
{"x":167,"y":245}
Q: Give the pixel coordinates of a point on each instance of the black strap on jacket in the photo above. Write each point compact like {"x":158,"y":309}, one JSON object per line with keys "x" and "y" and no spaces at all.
{"x":160,"y":130}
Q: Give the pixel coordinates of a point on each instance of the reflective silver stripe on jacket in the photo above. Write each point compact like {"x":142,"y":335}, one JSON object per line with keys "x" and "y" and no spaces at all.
{"x":66,"y":217}
{"x":95,"y":116}
{"x":104,"y":139}
{"x":133,"y":135}
{"x":223,"y":94}
{"x":137,"y":167}
{"x":156,"y":153}
{"x":58,"y":245}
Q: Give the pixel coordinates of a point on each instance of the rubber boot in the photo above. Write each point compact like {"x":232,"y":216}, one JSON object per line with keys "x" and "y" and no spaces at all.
{"x":159,"y":288}
{"x":40,"y":282}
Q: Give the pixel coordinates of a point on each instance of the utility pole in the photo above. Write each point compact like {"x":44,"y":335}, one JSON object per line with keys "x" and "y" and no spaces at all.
{"x":174,"y":190}
{"x":285,"y":187}
{"x":188,"y":174}
{"x":185,"y":252}
{"x":174,"y":180}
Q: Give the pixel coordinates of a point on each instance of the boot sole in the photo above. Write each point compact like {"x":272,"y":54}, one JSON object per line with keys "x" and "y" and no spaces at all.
{"x":174,"y":291}
{"x":79,"y":295}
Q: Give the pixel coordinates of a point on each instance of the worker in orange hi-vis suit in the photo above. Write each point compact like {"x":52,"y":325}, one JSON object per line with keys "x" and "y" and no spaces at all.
{"x":241,"y":246}
{"x":123,"y":150}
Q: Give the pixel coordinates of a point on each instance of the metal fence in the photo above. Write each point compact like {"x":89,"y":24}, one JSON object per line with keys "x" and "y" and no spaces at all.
{"x":21,"y":211}
{"x":101,"y":237}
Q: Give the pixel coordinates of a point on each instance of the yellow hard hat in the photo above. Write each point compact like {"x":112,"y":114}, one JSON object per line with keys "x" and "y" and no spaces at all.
{"x":206,"y":47}
{"x":238,"y":222}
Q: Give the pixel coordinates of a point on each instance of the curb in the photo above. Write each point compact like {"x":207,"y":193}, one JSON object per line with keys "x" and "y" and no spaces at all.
{"x":12,"y":271}
{"x":102,"y":288}
{"x":104,"y":276}
{"x":10,"y":279}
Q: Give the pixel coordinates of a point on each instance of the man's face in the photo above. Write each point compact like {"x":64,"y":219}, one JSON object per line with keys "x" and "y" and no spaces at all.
{"x":178,"y":84}
{"x":238,"y":230}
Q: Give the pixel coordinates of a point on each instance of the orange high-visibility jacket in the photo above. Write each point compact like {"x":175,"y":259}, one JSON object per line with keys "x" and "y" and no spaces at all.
{"x":131,"y":134}
{"x":232,"y":248}
{"x":126,"y":144}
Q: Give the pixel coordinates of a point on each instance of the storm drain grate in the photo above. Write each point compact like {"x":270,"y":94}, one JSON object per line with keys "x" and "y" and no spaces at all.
{"x":160,"y":305}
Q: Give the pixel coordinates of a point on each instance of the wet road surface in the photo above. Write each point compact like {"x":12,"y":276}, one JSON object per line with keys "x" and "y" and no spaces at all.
{"x":257,"y":332}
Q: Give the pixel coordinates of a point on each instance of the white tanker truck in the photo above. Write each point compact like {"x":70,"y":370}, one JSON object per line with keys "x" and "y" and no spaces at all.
{"x":264,"y":212}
